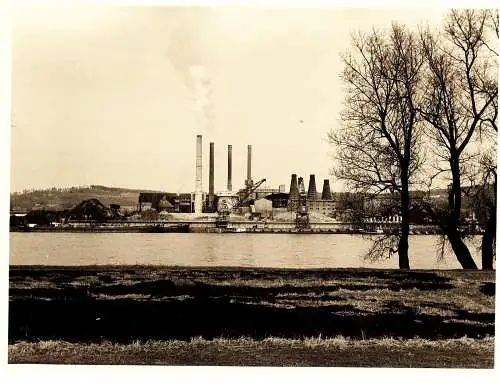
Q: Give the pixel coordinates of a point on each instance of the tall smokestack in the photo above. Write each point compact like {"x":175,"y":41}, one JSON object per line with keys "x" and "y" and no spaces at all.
{"x":294,"y":188}
{"x":311,"y":192}
{"x":229,"y":167}
{"x":249,"y":166}
{"x":211,"y":196}
{"x":327,"y":193}
{"x":198,"y":194}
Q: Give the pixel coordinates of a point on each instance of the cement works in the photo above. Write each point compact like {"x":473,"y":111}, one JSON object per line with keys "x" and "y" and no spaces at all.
{"x":253,"y":208}
{"x":253,"y":201}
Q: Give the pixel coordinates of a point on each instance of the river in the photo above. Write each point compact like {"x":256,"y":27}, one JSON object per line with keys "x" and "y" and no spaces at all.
{"x":204,"y":249}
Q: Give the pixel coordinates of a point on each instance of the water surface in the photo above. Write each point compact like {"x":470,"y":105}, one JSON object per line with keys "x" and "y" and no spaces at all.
{"x":205,"y":249}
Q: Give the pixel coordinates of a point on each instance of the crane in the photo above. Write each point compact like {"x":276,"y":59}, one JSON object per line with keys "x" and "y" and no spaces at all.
{"x":246,"y":194}
{"x":224,"y":209}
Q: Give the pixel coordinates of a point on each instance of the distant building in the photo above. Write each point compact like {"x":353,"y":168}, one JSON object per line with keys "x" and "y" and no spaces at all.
{"x":183,"y":203}
{"x":263,"y":192}
{"x":314,"y":201}
{"x":325,"y":207}
{"x":279,"y":200}
{"x":166,"y":202}
{"x":263,"y":207}
{"x":150,"y":200}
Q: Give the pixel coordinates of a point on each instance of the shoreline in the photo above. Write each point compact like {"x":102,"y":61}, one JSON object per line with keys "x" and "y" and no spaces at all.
{"x":300,"y":272}
{"x":187,"y":229}
{"x":232,"y":227}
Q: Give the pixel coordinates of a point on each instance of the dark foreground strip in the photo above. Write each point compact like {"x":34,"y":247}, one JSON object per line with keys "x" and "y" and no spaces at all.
{"x":126,"y":320}
{"x":126,"y":304}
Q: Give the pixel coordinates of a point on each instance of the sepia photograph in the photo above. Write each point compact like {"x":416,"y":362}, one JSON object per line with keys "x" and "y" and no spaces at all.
{"x":243,"y":185}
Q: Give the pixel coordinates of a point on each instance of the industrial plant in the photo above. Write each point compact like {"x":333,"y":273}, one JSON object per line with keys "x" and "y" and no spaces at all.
{"x":251,"y":201}
{"x":254,"y":207}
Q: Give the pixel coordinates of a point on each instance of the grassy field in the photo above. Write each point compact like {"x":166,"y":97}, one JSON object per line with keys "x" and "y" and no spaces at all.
{"x":229,"y":316}
{"x":336,"y":352}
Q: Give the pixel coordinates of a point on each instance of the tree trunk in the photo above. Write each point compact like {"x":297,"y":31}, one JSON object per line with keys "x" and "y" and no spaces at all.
{"x":404,"y":262}
{"x":487,"y":243}
{"x":455,"y":199}
{"x":461,"y":251}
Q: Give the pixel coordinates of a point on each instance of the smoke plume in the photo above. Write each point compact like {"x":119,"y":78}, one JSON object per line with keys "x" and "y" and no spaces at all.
{"x":199,"y":84}
{"x":184,"y":54}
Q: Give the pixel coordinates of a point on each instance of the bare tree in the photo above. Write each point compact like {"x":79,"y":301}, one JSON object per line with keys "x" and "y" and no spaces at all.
{"x":482,"y":195}
{"x":377,"y":144}
{"x":460,"y":97}
{"x":488,"y":161}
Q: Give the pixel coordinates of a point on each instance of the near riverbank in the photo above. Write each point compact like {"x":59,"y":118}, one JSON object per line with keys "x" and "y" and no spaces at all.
{"x":233,"y":316}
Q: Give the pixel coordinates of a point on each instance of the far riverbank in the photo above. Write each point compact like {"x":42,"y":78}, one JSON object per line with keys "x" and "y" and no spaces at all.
{"x":237,"y":226}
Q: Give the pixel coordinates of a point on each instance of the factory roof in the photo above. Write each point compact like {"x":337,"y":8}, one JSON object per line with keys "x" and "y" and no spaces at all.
{"x":278,"y":196}
{"x":226,"y":194}
{"x":149,"y":197}
{"x":152,"y":197}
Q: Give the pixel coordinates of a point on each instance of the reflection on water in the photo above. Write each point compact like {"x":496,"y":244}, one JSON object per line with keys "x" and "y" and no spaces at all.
{"x":246,"y":250}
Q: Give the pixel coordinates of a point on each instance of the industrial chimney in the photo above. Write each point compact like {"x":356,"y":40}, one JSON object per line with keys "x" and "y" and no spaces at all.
{"x":327,"y":193}
{"x":294,"y":188}
{"x":211,"y":195}
{"x":311,"y":192}
{"x":198,"y":194}
{"x":249,"y":182}
{"x":229,"y":167}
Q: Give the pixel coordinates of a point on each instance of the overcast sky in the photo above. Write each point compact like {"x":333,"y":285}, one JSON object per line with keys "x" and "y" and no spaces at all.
{"x":115,"y":95}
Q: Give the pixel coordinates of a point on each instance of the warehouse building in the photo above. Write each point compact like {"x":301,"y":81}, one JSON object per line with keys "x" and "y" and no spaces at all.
{"x":166,"y":202}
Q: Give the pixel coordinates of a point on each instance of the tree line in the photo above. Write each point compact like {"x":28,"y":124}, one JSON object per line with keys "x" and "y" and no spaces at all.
{"x":421,"y":107}
{"x":81,"y":188}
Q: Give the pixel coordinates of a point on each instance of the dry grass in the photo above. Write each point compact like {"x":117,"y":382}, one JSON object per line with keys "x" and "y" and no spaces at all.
{"x":248,"y":316}
{"x":338,"y":351}
{"x":291,"y":288}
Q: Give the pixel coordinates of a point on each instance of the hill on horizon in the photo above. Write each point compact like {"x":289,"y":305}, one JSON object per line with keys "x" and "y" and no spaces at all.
{"x":65,"y":198}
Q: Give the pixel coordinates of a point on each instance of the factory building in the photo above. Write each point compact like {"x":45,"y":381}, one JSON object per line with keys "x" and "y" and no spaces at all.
{"x":166,"y":202}
{"x":261,"y":193}
{"x":155,"y":200}
{"x":321,"y":203}
{"x":279,"y":199}
{"x":264,"y":207}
